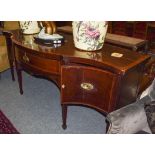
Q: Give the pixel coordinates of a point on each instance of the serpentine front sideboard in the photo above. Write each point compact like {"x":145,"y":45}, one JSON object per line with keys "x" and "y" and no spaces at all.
{"x":104,"y":80}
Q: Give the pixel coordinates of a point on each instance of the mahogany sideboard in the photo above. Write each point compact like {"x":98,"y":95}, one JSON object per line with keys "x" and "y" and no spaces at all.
{"x":100,"y":79}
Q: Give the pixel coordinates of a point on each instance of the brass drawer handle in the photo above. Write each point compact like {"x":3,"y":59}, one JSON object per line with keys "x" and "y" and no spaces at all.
{"x":25,"y":58}
{"x":87,"y":86}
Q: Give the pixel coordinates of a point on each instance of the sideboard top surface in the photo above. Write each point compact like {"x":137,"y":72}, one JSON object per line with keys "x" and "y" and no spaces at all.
{"x":68,"y":51}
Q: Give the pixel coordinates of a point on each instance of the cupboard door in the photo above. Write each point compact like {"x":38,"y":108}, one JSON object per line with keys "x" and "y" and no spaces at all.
{"x":88,"y":86}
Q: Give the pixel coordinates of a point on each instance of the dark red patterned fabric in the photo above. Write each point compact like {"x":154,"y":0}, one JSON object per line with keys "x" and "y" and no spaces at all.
{"x":6,"y":127}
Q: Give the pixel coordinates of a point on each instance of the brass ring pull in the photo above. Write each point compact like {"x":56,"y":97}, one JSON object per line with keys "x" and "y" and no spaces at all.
{"x":87,"y":86}
{"x":25,"y":58}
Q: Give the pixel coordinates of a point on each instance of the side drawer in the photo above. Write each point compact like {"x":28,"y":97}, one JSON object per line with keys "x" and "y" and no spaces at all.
{"x":38,"y":62}
{"x":88,"y":86}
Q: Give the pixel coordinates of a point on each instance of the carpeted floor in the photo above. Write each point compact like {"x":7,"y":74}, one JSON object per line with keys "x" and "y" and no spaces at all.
{"x":38,"y":110}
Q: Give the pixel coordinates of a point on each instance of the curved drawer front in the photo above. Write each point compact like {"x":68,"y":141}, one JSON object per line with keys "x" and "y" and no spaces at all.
{"x":38,"y":62}
{"x":89,"y":86}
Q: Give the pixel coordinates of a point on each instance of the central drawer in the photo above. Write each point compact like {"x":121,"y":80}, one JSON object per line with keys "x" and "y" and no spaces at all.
{"x":38,"y":62}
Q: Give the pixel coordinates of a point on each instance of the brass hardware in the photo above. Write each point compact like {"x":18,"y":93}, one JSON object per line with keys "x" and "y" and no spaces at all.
{"x":63,"y":86}
{"x":117,"y":55}
{"x":87,"y":86}
{"x":25,"y":58}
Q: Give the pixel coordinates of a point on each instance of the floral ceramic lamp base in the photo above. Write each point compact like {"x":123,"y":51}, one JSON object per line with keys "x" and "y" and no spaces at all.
{"x":89,"y":35}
